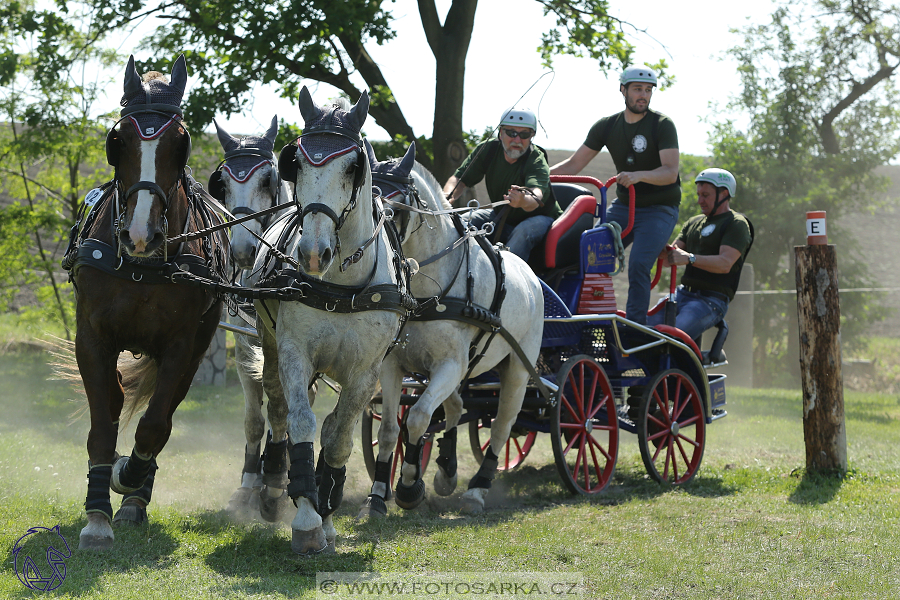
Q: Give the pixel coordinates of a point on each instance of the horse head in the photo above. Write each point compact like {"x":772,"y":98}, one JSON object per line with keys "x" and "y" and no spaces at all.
{"x":393,"y":178}
{"x":330,"y":173}
{"x":149,"y":152}
{"x":247,"y":182}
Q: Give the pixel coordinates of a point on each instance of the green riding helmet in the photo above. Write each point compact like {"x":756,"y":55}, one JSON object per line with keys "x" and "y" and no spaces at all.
{"x":635,"y":73}
{"x":719,"y":178}
{"x":519,"y":117}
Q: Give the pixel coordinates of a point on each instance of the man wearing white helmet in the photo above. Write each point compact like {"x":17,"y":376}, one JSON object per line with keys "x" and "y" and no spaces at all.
{"x":713,"y":246}
{"x":519,"y":174}
{"x":644,"y":147}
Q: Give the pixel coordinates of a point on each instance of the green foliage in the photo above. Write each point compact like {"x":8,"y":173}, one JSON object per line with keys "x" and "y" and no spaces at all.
{"x":785,"y":165}
{"x":48,"y":150}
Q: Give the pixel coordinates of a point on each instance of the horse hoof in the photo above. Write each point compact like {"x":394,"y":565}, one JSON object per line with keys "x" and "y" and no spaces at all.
{"x":272,"y":509}
{"x":444,"y":485}
{"x":310,"y":543}
{"x":240,"y":505}
{"x":97,"y":535}
{"x":472,"y":502}
{"x":132,"y":513}
{"x":373,"y":507}
{"x":410,"y":496}
{"x":114,"y":483}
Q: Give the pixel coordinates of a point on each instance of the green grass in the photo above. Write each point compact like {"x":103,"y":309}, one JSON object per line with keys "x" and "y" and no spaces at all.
{"x":752,"y":524}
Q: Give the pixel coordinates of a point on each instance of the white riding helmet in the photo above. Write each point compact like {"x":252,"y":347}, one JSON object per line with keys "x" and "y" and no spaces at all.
{"x":519,"y":117}
{"x":719,"y":178}
{"x":635,"y":73}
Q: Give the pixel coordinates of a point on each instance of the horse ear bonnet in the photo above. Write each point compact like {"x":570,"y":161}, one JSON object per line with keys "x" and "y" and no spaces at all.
{"x":287,"y":163}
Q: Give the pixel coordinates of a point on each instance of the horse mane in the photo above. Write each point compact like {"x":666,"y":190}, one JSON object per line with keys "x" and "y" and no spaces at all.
{"x":151,"y":75}
{"x":436,"y":190}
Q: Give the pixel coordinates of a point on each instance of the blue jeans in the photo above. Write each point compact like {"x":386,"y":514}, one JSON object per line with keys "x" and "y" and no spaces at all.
{"x":652,"y":227}
{"x":695,"y":312}
{"x":522,"y":237}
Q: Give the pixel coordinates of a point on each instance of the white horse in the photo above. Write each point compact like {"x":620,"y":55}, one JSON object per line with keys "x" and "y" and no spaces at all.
{"x":337,"y":320}
{"x":440,"y":347}
{"x":247,"y":182}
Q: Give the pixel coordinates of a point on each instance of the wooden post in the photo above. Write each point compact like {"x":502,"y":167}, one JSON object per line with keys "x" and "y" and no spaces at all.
{"x":819,"y":316}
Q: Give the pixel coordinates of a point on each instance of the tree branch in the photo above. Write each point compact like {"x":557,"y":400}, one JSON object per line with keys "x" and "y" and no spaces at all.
{"x":826,"y":127}
{"x":431,"y":24}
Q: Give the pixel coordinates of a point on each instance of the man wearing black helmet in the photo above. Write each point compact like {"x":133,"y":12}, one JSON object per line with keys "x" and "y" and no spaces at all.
{"x":713,"y":246}
{"x":644,"y":147}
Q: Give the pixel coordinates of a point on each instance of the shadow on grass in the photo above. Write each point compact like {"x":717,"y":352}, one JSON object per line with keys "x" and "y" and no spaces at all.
{"x":817,"y":487}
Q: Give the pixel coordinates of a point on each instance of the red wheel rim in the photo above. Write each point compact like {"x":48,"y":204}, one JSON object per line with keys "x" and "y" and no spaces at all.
{"x":514,"y":453}
{"x":674,"y":435}
{"x":587,"y":441}
{"x":398,"y":450}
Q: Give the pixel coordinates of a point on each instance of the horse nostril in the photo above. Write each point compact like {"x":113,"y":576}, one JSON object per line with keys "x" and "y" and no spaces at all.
{"x":125,"y":238}
{"x":326,"y":256}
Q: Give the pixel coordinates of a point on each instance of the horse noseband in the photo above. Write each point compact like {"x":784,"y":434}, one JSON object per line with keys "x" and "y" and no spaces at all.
{"x":318,"y":207}
{"x":153,"y":188}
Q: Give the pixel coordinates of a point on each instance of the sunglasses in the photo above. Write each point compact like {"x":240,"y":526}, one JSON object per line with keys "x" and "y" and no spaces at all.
{"x":517,"y":134}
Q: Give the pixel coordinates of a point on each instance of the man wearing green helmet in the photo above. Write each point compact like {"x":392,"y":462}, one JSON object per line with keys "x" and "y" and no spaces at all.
{"x":518,"y":174}
{"x":713,"y":246}
{"x":644,"y":147}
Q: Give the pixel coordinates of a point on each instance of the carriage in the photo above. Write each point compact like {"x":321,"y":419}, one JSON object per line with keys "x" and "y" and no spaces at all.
{"x":598,"y":373}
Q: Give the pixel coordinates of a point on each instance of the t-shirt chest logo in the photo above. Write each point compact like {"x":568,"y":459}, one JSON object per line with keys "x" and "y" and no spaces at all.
{"x":706,"y":231}
{"x":639,"y":143}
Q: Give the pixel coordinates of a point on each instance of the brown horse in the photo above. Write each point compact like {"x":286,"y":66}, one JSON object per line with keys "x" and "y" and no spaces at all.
{"x":123,"y":265}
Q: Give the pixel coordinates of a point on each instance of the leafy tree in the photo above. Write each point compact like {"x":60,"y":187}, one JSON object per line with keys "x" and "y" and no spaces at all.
{"x":235,"y":45}
{"x":817,"y":130}
{"x":48,"y":150}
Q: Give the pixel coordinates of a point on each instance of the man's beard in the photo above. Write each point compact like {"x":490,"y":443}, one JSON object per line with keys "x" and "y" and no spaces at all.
{"x":512,"y":153}
{"x":637,"y":110}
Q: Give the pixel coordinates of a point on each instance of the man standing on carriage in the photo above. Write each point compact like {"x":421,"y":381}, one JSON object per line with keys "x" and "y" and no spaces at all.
{"x":713,"y":246}
{"x":644,"y":147}
{"x":521,"y":176}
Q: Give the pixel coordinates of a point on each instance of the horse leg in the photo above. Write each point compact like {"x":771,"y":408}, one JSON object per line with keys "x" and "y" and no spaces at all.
{"x":337,"y":444}
{"x":294,"y":372}
{"x":247,"y":494}
{"x":445,"y":477}
{"x":105,"y":396}
{"x":410,"y":486}
{"x":273,"y":498}
{"x":388,"y":432}
{"x":513,"y":381}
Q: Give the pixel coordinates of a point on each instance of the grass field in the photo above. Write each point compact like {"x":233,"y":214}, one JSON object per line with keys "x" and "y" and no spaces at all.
{"x":752,"y":524}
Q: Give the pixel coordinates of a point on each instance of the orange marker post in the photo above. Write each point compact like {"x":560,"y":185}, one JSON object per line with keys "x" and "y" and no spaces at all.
{"x":816,"y":233}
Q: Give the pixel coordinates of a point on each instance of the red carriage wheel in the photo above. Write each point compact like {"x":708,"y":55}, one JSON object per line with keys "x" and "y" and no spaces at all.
{"x":517,"y":446}
{"x":371,"y":421}
{"x":672,"y":428}
{"x":585,"y":427}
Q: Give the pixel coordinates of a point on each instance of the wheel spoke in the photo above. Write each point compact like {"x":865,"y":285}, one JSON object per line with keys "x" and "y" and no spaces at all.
{"x":687,"y":461}
{"x":579,"y":400}
{"x":677,"y":405}
{"x":663,"y":406}
{"x":595,"y":444}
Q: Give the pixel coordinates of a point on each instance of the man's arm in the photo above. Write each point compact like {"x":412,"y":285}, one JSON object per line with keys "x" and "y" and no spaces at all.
{"x":575,"y":163}
{"x":454,"y":186}
{"x":714,"y":263}
{"x":663,"y":175}
{"x":665,"y":252}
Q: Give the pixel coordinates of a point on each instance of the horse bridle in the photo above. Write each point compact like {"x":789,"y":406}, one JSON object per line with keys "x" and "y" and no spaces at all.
{"x":275,"y":182}
{"x":358,"y":175}
{"x":174,"y":115}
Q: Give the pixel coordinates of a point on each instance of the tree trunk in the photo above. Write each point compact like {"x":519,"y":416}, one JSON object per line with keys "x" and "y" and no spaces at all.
{"x":819,"y":313}
{"x":450,"y":44}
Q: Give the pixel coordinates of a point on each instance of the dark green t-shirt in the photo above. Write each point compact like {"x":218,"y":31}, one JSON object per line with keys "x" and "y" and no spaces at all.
{"x":642,"y":141}
{"x":531,"y":170}
{"x":704,"y":235}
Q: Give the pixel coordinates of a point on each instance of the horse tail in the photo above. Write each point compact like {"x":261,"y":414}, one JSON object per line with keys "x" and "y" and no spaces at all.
{"x":252,"y":359}
{"x":138,"y":378}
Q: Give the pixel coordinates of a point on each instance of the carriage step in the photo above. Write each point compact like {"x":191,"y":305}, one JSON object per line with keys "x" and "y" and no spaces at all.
{"x":718,"y":413}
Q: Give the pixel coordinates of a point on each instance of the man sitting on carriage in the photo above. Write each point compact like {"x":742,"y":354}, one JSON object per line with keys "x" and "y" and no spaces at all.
{"x":522,"y":178}
{"x":713,"y":246}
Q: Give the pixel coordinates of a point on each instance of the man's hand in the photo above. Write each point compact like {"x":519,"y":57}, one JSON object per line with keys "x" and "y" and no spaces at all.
{"x":677,"y":256}
{"x":522,"y":197}
{"x":627,"y":178}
